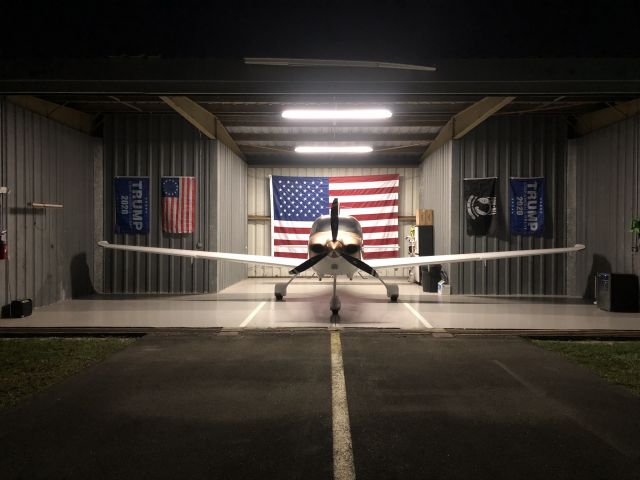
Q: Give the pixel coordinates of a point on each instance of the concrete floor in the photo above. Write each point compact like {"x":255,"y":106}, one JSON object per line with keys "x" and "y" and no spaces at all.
{"x":250,"y":304}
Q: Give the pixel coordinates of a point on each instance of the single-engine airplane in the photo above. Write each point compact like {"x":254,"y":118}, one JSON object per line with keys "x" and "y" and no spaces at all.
{"x":335,"y":248}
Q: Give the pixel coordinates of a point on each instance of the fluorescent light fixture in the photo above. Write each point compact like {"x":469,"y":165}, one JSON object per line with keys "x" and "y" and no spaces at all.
{"x":334,"y":149}
{"x":315,"y":62}
{"x":361,"y":114}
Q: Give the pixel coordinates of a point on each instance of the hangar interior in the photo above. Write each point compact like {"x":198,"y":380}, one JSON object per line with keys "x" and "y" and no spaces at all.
{"x":63,"y":141}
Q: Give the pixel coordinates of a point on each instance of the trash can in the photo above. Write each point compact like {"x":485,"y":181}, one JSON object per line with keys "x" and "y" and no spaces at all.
{"x":429,"y":277}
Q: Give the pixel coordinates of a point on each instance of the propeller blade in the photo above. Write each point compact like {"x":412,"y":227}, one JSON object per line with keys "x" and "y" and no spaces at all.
{"x":307,"y":264}
{"x":356,"y":262}
{"x":335,"y":220}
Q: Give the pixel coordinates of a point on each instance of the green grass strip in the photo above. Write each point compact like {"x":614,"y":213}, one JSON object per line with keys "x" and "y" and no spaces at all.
{"x":28,"y":365}
{"x":616,"y":361}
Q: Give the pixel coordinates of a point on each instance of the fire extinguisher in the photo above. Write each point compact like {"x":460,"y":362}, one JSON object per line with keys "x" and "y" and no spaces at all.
{"x":4,"y":248}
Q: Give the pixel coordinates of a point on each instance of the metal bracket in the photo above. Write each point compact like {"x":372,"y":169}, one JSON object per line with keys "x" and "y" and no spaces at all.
{"x":45,"y":205}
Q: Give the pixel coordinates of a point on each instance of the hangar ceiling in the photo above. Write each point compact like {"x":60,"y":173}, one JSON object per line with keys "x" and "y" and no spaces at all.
{"x":248,"y":100}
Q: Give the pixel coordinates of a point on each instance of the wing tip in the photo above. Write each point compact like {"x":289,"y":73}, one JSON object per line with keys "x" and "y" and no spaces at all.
{"x":579,"y":246}
{"x":103,"y":243}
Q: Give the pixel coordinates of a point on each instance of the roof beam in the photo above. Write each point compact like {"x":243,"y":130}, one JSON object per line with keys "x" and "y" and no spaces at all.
{"x":592,"y":121}
{"x":415,"y":150}
{"x":465,"y":121}
{"x":203,"y":120}
{"x":333,"y":137}
{"x":276,"y":119}
{"x":67,"y":116}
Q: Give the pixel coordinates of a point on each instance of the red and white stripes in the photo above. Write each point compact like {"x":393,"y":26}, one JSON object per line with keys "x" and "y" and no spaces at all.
{"x":372,"y":200}
{"x":179,"y":212}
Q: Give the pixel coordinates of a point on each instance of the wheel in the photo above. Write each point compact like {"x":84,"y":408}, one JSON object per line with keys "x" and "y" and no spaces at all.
{"x":279,"y":297}
{"x":393,"y":298}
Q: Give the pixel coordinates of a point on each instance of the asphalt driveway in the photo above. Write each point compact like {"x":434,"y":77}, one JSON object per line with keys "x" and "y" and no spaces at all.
{"x":259,"y":405}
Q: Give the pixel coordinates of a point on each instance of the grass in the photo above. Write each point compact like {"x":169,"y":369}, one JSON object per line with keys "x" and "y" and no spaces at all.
{"x":28,"y":365}
{"x":616,"y":361}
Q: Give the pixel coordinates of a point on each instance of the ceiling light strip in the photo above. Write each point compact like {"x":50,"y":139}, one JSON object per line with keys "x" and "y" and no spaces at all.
{"x":360,"y":114}
{"x":350,"y":149}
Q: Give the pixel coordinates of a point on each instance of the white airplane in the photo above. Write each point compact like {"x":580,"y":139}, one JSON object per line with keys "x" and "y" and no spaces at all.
{"x":335,"y":248}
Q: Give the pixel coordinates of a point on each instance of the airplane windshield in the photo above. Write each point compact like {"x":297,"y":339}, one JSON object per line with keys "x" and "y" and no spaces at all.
{"x":347,"y":224}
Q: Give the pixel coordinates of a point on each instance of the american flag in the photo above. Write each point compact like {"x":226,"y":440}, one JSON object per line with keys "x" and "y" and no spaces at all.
{"x":178,"y":204}
{"x":298,"y":201}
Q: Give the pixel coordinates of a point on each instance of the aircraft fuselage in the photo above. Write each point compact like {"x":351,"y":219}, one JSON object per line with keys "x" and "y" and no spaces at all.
{"x":348,"y":241}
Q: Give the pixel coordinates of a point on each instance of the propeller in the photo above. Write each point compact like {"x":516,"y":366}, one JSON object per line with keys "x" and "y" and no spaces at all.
{"x":356,"y":262}
{"x":307,"y":264}
{"x":335,"y":219}
{"x":335,"y":224}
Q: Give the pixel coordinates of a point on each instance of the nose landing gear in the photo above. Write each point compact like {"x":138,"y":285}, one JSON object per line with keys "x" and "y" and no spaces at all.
{"x":335,"y":305}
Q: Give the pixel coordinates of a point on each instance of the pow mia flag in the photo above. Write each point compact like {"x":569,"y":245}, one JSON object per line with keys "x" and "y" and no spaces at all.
{"x":480,"y":204}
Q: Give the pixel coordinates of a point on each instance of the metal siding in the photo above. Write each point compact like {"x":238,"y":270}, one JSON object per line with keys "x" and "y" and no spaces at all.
{"x":507,"y":147}
{"x":435,"y":194}
{"x":259,"y":232}
{"x":156,"y":146}
{"x":606,"y":201}
{"x":50,"y":250}
{"x":232,"y":214}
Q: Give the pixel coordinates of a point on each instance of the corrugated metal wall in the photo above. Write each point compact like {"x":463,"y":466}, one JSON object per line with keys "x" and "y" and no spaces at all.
{"x":232,"y":216}
{"x":259,"y":205}
{"x":156,"y":146}
{"x":435,"y":194}
{"x":506,"y":147}
{"x":164,"y":145}
{"x":50,"y":251}
{"x":607,"y":200}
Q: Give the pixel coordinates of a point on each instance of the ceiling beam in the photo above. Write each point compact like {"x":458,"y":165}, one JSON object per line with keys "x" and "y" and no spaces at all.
{"x":592,"y":121}
{"x":333,"y":137}
{"x":261,"y":121}
{"x":67,"y":116}
{"x":397,"y":150}
{"x":203,"y":120}
{"x":465,"y":121}
{"x":403,"y":120}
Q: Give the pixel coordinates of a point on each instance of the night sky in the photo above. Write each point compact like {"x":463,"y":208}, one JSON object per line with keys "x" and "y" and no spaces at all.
{"x":389,"y":30}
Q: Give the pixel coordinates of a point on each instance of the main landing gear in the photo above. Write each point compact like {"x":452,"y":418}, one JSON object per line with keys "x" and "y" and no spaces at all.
{"x":334,"y":304}
{"x":392,"y":291}
{"x":281,"y":288}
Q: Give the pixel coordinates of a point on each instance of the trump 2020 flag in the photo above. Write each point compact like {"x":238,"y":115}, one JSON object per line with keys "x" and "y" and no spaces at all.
{"x":131,"y":196}
{"x":480,"y":203}
{"x":178,"y":204}
{"x":298,"y":201}
{"x":526,"y":201}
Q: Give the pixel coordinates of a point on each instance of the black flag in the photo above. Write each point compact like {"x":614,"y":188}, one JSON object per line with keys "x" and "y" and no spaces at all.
{"x":480,"y":204}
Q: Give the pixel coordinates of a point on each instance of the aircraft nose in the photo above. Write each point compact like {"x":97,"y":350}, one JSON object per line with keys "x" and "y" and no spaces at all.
{"x":334,"y":247}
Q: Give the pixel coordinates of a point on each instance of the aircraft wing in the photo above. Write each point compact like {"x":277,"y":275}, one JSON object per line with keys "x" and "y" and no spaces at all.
{"x":466,"y":257}
{"x":230,"y":257}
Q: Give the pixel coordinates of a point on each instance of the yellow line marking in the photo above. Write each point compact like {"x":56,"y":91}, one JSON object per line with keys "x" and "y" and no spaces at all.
{"x":343,"y":467}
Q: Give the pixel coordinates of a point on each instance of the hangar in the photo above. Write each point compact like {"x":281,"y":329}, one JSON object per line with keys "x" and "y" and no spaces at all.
{"x":69,"y":128}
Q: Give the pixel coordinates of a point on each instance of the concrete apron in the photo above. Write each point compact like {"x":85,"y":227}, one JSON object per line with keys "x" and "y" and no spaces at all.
{"x":250,"y":305}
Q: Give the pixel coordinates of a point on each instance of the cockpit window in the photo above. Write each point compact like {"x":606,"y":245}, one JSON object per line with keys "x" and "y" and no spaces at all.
{"x":347,"y":224}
